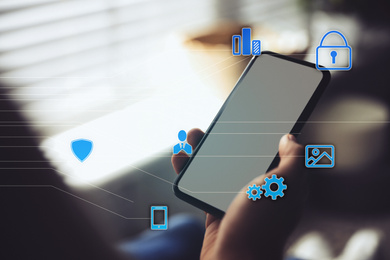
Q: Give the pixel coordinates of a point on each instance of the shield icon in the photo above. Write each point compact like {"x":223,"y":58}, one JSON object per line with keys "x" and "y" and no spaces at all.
{"x":81,"y":148}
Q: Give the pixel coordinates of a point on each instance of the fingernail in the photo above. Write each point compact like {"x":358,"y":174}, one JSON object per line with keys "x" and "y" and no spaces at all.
{"x":291,"y":138}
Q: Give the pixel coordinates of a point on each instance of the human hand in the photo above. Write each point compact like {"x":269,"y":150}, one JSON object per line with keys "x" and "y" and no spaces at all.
{"x":255,"y":229}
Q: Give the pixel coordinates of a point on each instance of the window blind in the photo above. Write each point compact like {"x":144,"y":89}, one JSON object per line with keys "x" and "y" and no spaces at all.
{"x":89,"y":57}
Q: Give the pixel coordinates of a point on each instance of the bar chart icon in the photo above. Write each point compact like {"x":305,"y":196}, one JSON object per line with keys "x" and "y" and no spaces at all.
{"x":243,"y":44}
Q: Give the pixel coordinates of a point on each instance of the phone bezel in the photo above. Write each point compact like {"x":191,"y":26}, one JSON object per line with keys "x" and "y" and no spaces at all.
{"x":295,"y":129}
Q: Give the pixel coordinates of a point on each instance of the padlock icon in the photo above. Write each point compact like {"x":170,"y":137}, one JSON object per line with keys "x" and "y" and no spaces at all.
{"x":333,"y":57}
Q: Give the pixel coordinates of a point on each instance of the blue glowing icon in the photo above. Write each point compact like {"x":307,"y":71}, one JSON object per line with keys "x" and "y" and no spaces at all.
{"x":319,"y":156}
{"x":334,"y":57}
{"x":158,"y":217}
{"x":182,"y":146}
{"x":81,"y":148}
{"x":245,"y":43}
{"x":274,"y":193}
{"x":256,"y":47}
{"x":254,"y":192}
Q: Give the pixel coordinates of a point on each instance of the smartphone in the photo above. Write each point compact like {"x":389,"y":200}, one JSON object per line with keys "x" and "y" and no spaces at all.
{"x":275,"y":95}
{"x":159,"y":218}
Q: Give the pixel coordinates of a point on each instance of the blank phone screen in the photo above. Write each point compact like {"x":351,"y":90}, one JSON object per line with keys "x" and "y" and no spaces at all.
{"x":159,"y":217}
{"x":243,"y":142}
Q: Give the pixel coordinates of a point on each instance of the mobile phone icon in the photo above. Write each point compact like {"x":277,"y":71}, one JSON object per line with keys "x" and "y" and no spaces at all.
{"x":159,"y":218}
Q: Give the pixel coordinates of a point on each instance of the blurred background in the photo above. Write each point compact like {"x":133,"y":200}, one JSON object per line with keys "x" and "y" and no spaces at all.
{"x":129,"y":74}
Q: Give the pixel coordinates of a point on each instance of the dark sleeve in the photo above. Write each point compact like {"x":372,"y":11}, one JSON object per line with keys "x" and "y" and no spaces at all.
{"x":39,"y":219}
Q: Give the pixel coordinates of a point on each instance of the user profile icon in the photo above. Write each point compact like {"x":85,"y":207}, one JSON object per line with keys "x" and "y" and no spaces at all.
{"x":183,"y":145}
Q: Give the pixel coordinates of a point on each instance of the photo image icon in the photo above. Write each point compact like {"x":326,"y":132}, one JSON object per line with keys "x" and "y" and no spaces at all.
{"x":319,"y":156}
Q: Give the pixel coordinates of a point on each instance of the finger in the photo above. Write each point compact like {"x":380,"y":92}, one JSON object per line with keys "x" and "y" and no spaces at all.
{"x":179,"y":160}
{"x":210,"y":219}
{"x":194,"y":137}
{"x":278,"y":217}
{"x":290,"y":168}
{"x":210,"y":236}
{"x":291,"y":156}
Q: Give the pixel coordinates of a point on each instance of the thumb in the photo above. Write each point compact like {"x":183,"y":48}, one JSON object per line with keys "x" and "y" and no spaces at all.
{"x":291,"y":168}
{"x":291,"y":157}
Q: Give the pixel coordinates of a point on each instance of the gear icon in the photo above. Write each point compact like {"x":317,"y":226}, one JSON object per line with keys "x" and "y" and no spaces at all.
{"x":274,"y":193}
{"x":257,"y":194}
